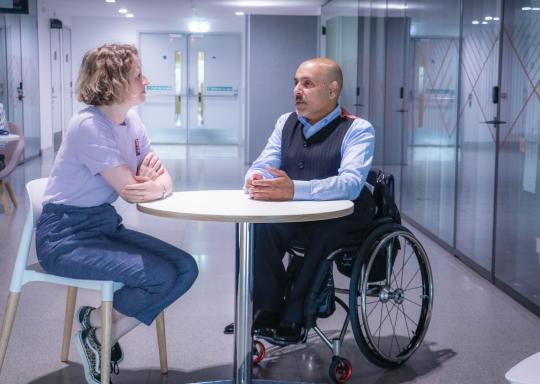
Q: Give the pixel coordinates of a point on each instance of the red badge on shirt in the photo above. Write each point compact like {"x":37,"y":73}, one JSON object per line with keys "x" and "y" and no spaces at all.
{"x":137,"y":147}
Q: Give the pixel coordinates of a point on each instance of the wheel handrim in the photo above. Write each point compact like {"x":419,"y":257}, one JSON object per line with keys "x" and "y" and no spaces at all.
{"x":400,"y":316}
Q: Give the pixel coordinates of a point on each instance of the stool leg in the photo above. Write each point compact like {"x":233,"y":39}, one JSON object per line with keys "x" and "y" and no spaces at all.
{"x":162,"y":345}
{"x":3,"y":197}
{"x":106,"y":334}
{"x":68,"y":322}
{"x":9,"y":317}
{"x":11,"y":194}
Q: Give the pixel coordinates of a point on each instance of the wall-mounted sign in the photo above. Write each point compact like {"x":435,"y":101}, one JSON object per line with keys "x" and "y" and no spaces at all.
{"x":159,"y":87}
{"x":219,"y":88}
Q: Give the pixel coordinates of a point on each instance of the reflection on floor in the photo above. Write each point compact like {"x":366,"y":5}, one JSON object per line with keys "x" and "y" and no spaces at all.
{"x":477,"y":332}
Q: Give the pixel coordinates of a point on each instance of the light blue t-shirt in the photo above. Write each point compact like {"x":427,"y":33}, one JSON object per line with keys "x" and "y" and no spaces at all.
{"x":93,"y":143}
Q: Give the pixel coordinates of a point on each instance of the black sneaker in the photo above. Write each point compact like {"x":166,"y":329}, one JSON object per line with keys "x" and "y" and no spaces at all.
{"x":89,"y":350}
{"x":117,"y":355}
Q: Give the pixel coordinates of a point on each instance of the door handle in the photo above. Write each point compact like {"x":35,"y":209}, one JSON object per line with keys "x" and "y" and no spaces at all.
{"x":20,"y":94}
{"x":402,"y":110}
{"x":494,"y":122}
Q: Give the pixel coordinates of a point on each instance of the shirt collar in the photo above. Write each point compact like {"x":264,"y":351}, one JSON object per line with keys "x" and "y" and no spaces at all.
{"x":310,"y":130}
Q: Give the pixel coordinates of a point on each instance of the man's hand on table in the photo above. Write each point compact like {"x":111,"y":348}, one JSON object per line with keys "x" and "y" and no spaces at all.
{"x":279,"y":189}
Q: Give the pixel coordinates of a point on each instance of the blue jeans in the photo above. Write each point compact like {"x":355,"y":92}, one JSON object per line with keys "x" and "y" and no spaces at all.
{"x":91,"y":243}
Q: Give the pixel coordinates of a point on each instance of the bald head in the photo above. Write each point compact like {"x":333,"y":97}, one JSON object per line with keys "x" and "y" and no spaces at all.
{"x":317,"y":84}
{"x":330,"y":70}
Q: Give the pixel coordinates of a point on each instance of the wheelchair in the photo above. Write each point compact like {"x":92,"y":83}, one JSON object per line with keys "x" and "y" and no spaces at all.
{"x":390,"y":294}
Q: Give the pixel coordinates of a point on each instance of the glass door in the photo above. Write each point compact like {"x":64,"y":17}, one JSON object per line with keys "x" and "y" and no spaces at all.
{"x":517,"y":247}
{"x":341,"y":44}
{"x":19,"y":81}
{"x":478,"y":124}
{"x":213,"y":94}
{"x":3,"y":65}
{"x":164,"y":112}
{"x":429,"y":145}
{"x":193,"y":95}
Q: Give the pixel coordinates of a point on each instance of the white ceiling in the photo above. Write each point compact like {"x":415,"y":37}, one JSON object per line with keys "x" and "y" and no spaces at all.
{"x":184,"y":8}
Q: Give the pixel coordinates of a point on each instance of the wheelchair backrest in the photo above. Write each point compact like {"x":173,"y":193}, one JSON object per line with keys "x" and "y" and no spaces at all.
{"x":384,"y":194}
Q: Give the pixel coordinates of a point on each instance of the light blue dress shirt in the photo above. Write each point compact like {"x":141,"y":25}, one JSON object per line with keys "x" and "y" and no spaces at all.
{"x":356,"y":158}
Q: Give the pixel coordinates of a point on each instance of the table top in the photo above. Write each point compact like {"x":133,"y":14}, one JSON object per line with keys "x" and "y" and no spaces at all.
{"x":236,"y":206}
{"x":10,"y":137}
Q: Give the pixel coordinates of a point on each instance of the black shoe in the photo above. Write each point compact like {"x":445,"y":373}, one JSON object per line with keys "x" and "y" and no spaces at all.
{"x":229,"y":329}
{"x":117,"y":355}
{"x":264,"y":324}
{"x":290,"y":332}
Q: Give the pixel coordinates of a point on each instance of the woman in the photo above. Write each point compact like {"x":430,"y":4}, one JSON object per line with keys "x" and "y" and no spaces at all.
{"x":107,"y":153}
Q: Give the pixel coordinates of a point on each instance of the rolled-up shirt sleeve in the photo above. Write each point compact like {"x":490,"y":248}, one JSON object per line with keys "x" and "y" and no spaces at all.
{"x":356,"y":160}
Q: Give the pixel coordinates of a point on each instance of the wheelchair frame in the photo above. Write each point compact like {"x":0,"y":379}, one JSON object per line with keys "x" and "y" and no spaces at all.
{"x":385,"y":228}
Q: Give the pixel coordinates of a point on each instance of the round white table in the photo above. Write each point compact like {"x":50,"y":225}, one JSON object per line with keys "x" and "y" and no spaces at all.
{"x":10,"y":137}
{"x":235,"y":206}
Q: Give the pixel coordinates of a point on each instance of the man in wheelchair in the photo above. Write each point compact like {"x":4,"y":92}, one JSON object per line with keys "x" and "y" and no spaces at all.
{"x":318,"y":152}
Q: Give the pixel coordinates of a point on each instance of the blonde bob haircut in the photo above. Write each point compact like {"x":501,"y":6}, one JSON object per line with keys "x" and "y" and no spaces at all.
{"x":104,"y":74}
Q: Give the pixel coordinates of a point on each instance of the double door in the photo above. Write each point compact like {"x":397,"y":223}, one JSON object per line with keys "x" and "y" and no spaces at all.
{"x":193,"y":96}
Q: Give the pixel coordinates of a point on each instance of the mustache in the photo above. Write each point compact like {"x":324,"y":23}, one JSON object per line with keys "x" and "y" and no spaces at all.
{"x":299,"y":98}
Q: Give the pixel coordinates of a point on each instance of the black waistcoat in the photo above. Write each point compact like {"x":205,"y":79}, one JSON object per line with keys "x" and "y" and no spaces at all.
{"x":319,"y":156}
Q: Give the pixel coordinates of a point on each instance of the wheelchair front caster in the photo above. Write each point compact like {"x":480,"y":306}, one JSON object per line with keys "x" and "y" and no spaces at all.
{"x":340,"y":370}
{"x":259,"y":351}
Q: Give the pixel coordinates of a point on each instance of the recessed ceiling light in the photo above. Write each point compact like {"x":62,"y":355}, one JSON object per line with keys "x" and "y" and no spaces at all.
{"x":488,"y":18}
{"x":239,"y":13}
{"x":475,"y":22}
{"x":485,"y":22}
{"x":123,"y":11}
{"x":396,"y":6}
{"x":198,"y":26}
{"x":496,"y":19}
{"x":130,"y":15}
{"x":110,"y":1}
{"x":536,"y":9}
{"x":526,"y":8}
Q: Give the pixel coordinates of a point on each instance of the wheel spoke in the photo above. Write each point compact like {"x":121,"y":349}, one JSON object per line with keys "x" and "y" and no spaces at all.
{"x":410,"y":289}
{"x":408,"y":317}
{"x":406,"y":324}
{"x":412,"y":278}
{"x":394,"y":275}
{"x":394,"y":329}
{"x":380,"y":325}
{"x":381,"y":322}
{"x":393,"y":333}
{"x":420,"y":305}
{"x":372,"y":309}
{"x":403,"y":266}
{"x":405,"y":263}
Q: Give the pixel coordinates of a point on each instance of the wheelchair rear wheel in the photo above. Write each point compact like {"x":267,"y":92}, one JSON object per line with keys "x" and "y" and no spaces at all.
{"x":391,"y":295}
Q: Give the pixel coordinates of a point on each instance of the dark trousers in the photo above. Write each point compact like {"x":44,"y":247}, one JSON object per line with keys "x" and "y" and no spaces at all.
{"x":320,"y":238}
{"x":91,"y":243}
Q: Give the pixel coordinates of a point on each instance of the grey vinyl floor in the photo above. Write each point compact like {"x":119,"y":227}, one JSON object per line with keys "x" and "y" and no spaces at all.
{"x":476,"y":334}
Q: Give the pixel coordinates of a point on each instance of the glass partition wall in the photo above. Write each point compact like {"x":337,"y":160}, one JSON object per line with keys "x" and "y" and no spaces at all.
{"x":19,"y":82}
{"x":452,"y":88}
